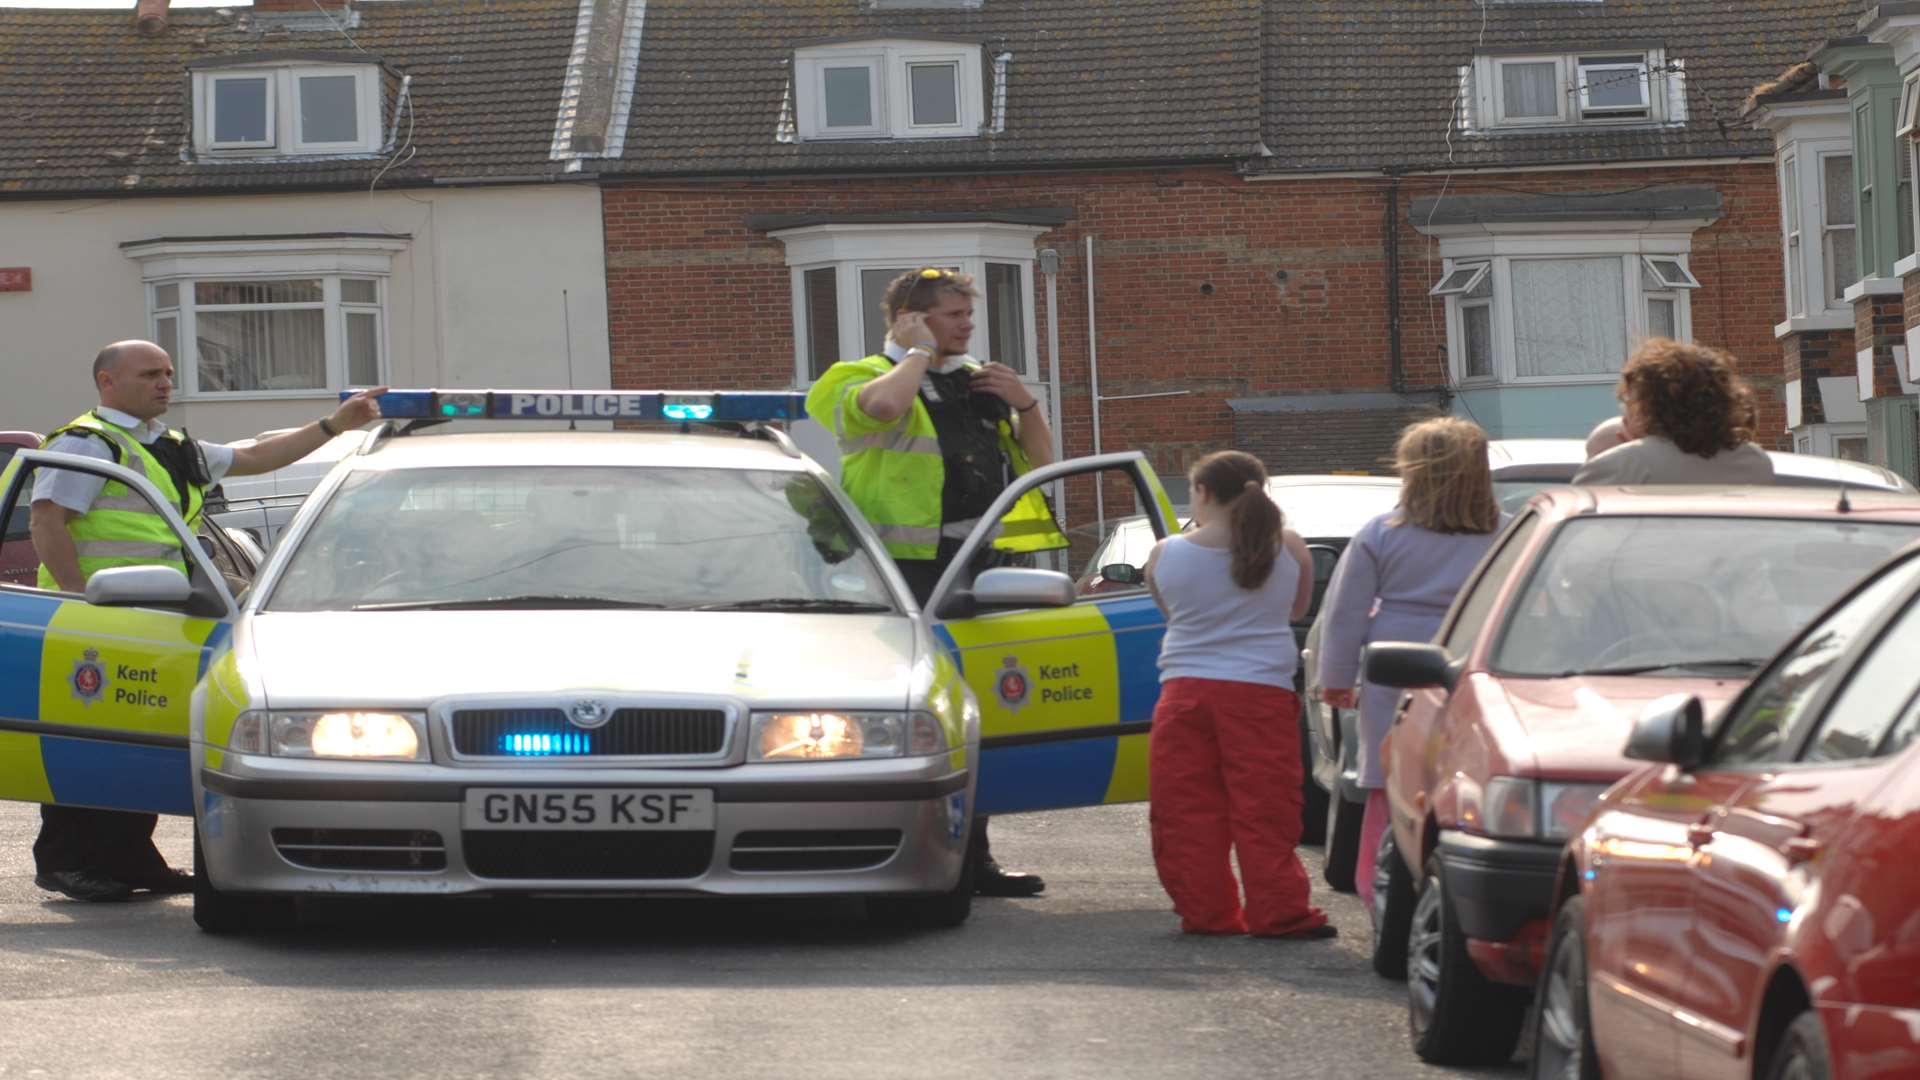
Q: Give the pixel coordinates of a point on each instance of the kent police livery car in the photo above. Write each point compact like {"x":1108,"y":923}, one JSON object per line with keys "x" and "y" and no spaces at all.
{"x":612,"y":661}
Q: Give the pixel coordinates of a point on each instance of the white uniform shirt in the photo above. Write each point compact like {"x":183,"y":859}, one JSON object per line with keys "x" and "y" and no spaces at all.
{"x":77,"y":490}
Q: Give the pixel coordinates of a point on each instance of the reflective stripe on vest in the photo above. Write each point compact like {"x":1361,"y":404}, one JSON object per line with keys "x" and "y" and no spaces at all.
{"x":121,"y":528}
{"x":895,"y":476}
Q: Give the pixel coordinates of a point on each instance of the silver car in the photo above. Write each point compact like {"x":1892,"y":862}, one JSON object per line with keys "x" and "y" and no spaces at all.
{"x":581,"y":662}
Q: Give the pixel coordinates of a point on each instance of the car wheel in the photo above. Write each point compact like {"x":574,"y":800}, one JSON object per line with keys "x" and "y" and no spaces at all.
{"x":1802,"y":1054}
{"x":1562,"y":1029}
{"x":1457,"y":1016}
{"x":1343,"y":842}
{"x":940,"y":911}
{"x":1392,"y":909}
{"x":219,"y":912}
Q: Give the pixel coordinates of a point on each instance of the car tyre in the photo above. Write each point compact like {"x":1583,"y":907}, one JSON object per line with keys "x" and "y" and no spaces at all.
{"x":1343,"y":843}
{"x":1456,"y":1015}
{"x":1392,"y":912}
{"x":940,"y":911}
{"x":1802,"y":1053}
{"x":1562,"y":1027}
{"x":218,"y":912}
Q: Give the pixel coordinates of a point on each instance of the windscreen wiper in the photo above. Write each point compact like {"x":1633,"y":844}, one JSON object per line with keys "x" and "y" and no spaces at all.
{"x":560,"y":601}
{"x":1739,"y":665}
{"x":792,"y":603}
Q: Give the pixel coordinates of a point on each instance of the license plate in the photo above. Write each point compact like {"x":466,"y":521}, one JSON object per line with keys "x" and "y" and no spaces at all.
{"x":573,"y":809}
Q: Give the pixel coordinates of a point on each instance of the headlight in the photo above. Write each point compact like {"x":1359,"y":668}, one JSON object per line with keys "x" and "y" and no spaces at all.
{"x":1536,"y":810}
{"x":824,"y":736}
{"x":375,"y":736}
{"x":1564,"y":807}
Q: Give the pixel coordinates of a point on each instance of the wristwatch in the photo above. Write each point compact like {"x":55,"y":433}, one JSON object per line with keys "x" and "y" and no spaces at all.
{"x":326,"y":425}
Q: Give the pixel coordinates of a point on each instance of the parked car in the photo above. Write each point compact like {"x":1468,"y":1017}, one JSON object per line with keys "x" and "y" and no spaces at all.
{"x":263,"y":505}
{"x":1746,"y":905}
{"x":1326,"y":510}
{"x":18,"y":563}
{"x":1521,"y":469}
{"x":1593,"y":602}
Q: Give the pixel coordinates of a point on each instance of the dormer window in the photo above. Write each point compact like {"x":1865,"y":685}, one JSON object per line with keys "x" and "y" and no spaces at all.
{"x":269,"y":109}
{"x":888,"y":90}
{"x":1575,"y":90}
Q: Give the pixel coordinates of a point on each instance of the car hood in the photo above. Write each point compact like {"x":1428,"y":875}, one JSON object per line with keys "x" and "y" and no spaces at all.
{"x":410,"y":658}
{"x":1577,"y":727}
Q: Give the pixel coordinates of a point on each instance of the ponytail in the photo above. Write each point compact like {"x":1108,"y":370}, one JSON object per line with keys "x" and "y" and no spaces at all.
{"x":1238,"y":481}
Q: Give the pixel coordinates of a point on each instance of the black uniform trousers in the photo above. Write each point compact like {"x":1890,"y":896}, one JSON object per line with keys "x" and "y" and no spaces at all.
{"x":115,"y":843}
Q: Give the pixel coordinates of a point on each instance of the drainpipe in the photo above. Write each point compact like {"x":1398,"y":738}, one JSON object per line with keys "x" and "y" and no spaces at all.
{"x":1050,"y":266}
{"x":1093,"y":377}
{"x":150,"y":17}
{"x":1396,"y":372}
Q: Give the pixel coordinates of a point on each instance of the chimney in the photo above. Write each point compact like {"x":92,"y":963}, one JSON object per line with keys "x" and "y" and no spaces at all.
{"x":150,"y":17}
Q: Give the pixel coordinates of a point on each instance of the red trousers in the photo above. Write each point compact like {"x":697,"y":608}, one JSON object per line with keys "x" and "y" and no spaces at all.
{"x":1224,"y":777}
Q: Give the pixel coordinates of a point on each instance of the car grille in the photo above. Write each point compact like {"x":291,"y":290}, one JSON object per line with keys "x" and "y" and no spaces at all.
{"x":588,"y":855}
{"x":362,"y":849}
{"x":794,"y":850}
{"x":544,"y":733}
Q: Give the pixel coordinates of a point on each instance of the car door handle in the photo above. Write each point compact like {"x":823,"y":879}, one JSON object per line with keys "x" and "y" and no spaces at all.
{"x":1800,"y":849}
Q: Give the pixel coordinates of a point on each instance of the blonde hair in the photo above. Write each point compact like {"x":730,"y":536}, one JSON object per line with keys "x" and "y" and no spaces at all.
{"x":1446,"y":484}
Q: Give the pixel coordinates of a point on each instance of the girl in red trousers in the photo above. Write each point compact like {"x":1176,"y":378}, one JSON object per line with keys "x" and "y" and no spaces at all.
{"x":1224,"y":768}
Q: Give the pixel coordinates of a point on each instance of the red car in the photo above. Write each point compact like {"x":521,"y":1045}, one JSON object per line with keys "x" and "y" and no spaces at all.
{"x":1594,"y":602}
{"x":18,"y":564}
{"x":1749,"y":906}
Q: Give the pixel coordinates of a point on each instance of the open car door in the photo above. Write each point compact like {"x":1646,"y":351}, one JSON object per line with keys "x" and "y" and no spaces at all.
{"x":95,"y":690}
{"x":1067,"y":691}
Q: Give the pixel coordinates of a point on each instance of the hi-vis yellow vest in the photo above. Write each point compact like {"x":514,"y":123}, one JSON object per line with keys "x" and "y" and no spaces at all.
{"x":894,"y":472}
{"x":121,"y":528}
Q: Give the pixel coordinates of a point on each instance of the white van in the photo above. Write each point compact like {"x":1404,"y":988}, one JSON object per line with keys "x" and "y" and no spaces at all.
{"x":262,"y":505}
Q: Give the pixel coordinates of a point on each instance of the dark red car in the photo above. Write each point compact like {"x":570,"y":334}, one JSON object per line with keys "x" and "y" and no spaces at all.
{"x":18,"y":563}
{"x":1593,"y":603}
{"x":1750,"y":905}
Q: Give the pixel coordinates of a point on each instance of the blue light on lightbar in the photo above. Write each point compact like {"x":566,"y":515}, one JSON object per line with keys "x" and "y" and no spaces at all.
{"x":686,"y":411}
{"x":547,"y":745}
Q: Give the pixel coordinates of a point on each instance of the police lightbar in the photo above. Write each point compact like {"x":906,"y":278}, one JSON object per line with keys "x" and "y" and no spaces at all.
{"x":736,"y":406}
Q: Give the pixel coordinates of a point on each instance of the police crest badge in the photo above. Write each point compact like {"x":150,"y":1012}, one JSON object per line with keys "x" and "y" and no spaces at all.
{"x":1012,"y":686}
{"x":89,"y":677}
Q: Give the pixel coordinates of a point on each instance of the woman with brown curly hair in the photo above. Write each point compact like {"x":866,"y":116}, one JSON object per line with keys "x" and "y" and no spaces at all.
{"x":1688,"y":418}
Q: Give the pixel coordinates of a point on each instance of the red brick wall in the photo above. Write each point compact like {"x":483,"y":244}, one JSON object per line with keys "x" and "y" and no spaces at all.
{"x":1297,"y":269}
{"x":1881,"y":321}
{"x":1812,"y":355}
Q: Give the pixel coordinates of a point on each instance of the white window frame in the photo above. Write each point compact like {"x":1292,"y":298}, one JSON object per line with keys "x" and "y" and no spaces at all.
{"x":272,"y":109}
{"x":850,"y":249}
{"x":184,"y":262}
{"x":1499,"y":253}
{"x":1584,"y":80}
{"x":1801,"y":164}
{"x":888,"y":62}
{"x":1568,"y":72}
{"x":284,"y":122}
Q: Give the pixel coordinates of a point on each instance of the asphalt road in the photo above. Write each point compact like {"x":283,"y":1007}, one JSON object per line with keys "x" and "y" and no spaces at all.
{"x":1091,"y":980}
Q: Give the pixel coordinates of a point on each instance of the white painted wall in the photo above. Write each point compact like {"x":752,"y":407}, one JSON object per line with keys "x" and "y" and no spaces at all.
{"x":490,"y":290}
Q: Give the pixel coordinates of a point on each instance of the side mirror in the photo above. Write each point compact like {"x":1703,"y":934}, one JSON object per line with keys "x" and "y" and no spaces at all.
{"x":138,"y":586}
{"x":1325,"y":558}
{"x":1409,"y":666}
{"x":1124,"y":574}
{"x":1018,"y":587}
{"x":1672,"y":730}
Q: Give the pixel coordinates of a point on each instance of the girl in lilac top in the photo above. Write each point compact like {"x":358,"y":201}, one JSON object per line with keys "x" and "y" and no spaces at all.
{"x":1395,"y":582}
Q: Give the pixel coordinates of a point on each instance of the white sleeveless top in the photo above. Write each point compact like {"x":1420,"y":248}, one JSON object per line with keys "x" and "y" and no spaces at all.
{"x":1218,"y":630}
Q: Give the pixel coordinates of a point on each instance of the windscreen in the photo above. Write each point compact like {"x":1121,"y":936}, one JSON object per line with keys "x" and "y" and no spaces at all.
{"x":1707,"y":595}
{"x":579,"y":537}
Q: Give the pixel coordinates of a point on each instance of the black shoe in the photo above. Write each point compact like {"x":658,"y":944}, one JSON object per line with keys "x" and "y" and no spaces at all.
{"x":167,"y":882}
{"x":1323,"y":932}
{"x":83,"y":885}
{"x":990,"y":880}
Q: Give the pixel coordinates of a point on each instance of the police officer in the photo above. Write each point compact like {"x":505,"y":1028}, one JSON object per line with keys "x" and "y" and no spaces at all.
{"x":929,"y":438}
{"x":82,"y":523}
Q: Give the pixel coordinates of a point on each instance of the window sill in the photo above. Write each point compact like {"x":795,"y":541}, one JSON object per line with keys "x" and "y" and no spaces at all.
{"x":1803,"y":323}
{"x":1908,"y":265}
{"x":1539,"y":384}
{"x":1873,"y":286}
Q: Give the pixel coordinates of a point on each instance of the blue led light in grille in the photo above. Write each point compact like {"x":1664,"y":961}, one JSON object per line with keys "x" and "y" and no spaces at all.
{"x":547,"y":745}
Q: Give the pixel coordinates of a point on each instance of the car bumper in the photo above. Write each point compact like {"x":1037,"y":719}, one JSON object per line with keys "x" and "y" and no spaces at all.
{"x":1495,"y":886}
{"x":814,"y":828}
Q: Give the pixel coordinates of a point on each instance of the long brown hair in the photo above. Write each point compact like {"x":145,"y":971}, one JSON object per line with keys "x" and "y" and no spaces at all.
{"x":1446,"y":484}
{"x":1689,"y":393}
{"x":1238,"y":482}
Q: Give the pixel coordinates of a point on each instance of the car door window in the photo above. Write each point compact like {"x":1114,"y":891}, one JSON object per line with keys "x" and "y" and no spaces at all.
{"x":1477,"y":600}
{"x":1769,"y":718}
{"x":1880,"y":692}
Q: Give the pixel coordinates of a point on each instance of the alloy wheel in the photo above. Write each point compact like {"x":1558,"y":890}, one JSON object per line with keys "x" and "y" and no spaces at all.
{"x":1423,"y":955}
{"x":1559,"y":1050}
{"x":1383,"y":857}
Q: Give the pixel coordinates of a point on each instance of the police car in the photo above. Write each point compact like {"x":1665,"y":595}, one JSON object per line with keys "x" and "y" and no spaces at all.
{"x":633,"y":662}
